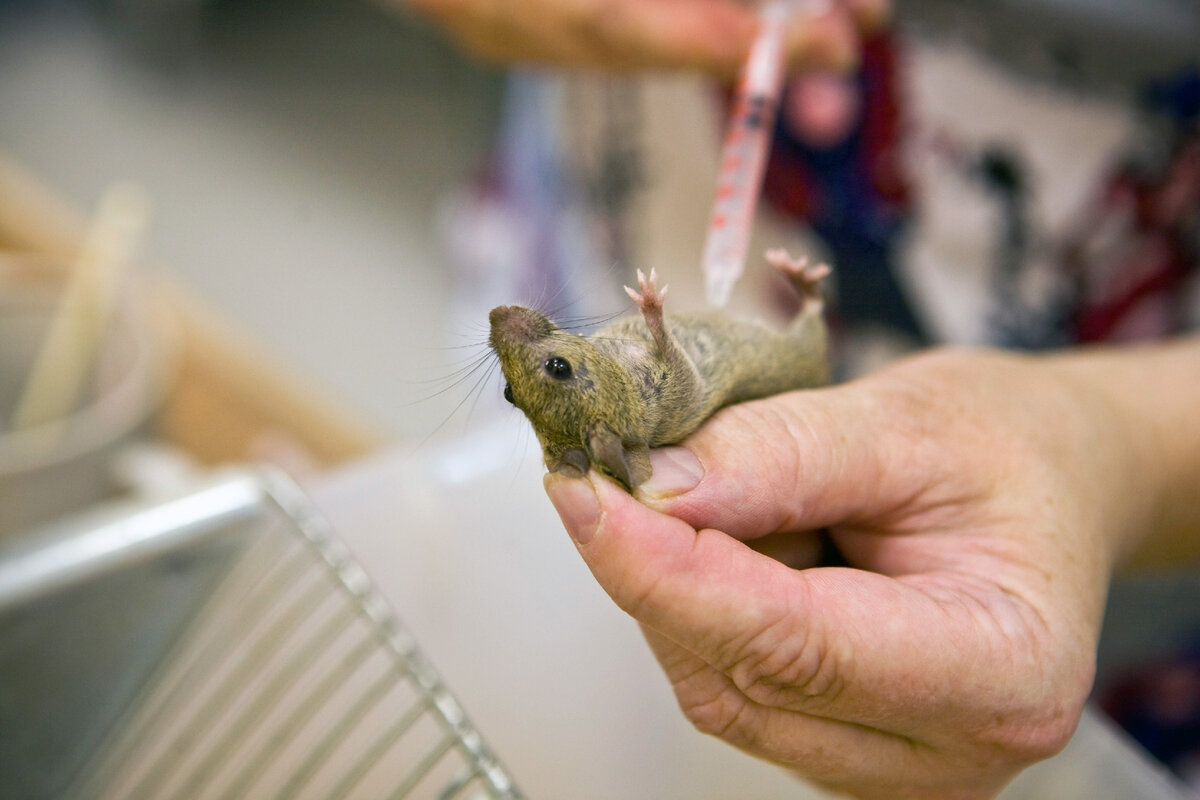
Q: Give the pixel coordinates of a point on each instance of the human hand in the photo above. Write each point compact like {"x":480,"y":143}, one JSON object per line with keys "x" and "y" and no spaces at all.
{"x":706,"y":35}
{"x":982,"y":500}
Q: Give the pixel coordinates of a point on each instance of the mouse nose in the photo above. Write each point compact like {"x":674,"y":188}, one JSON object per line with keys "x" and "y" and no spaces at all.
{"x":517,"y":323}
{"x":499,"y":314}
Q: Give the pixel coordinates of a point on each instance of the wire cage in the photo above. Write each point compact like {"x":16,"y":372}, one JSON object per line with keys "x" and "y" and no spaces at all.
{"x":223,"y":645}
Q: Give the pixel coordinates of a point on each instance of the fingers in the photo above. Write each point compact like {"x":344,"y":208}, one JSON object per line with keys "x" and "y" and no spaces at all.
{"x":835,"y":753}
{"x":829,"y":41}
{"x":707,"y":35}
{"x":813,"y":641}
{"x":869,"y":15}
{"x":711,"y":36}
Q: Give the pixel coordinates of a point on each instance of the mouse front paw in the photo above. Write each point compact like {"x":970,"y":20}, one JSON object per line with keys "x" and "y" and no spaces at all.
{"x":627,"y":462}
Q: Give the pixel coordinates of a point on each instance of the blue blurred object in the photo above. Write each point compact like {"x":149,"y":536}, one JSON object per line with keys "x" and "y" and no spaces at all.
{"x":1159,"y":705}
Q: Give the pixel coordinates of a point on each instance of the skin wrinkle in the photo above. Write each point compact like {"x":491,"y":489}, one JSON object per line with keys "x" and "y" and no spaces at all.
{"x":812,"y":760}
{"x":786,"y":465}
{"x":697,"y":665}
{"x":637,"y":604}
{"x":816,"y":673}
{"x":927,"y":698}
{"x":749,"y":655}
{"x":897,"y":459}
{"x":827,"y":764}
{"x":792,"y":470}
{"x":874,"y":779}
{"x":728,"y":653}
{"x":714,"y":713}
{"x":738,"y":727}
{"x":834,"y":766}
{"x":796,"y":661}
{"x":695,"y":707}
{"x":835,"y":667}
{"x":711,"y":651}
{"x":1034,"y":727}
{"x":984,"y":615}
{"x":947,"y":589}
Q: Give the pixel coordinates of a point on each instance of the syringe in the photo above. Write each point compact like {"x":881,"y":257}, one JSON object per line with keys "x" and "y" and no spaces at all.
{"x":744,"y":153}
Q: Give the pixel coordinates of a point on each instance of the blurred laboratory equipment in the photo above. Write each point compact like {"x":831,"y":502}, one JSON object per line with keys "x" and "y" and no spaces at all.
{"x":221,"y":643}
{"x":56,"y":463}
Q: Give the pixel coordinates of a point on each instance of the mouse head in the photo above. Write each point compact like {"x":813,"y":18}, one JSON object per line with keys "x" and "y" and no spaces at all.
{"x":565,"y":385}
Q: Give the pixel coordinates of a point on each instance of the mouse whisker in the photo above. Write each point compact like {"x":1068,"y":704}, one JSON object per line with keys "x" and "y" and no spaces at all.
{"x":472,"y":395}
{"x":623,"y":339}
{"x":468,"y":364}
{"x":477,"y":390}
{"x":481,"y":353}
{"x":445,"y":383}
{"x":588,"y":321}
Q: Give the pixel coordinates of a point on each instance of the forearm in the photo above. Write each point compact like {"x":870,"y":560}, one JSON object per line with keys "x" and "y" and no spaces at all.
{"x":1152,"y":396}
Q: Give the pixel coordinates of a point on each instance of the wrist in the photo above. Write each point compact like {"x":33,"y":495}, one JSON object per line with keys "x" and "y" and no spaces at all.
{"x":1146,"y":401}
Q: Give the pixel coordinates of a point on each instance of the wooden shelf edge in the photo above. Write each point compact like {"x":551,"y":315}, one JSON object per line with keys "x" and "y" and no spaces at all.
{"x":228,"y":400}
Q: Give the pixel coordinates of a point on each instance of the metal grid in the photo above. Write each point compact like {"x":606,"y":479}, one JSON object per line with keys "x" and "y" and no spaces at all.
{"x":295,"y":680}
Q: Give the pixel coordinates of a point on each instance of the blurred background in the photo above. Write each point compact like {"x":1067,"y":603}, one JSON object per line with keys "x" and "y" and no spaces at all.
{"x":328,"y":197}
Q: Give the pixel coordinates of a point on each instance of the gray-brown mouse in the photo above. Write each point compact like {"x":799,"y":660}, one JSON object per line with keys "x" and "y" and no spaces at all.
{"x":606,"y":399}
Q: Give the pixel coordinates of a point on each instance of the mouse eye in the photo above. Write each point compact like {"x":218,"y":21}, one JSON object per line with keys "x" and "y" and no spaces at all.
{"x":557,"y":367}
{"x":508,"y":395}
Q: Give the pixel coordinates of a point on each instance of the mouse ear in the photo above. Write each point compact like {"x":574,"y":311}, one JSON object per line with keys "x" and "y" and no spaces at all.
{"x":628,"y":462}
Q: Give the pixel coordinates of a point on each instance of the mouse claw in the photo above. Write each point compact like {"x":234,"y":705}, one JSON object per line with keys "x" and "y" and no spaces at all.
{"x":650,"y":298}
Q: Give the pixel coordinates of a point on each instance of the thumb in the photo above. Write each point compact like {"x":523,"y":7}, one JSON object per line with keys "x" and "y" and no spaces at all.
{"x":794,"y":462}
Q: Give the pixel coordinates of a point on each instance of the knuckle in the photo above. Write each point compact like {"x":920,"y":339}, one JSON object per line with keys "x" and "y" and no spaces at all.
{"x":722,"y":716}
{"x":1044,"y":732}
{"x":1029,"y":743}
{"x":1033,"y":735}
{"x":581,"y":20}
{"x":808,"y":679}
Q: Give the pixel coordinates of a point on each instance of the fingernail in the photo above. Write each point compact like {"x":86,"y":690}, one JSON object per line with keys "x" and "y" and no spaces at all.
{"x":575,"y":501}
{"x":675,"y":470}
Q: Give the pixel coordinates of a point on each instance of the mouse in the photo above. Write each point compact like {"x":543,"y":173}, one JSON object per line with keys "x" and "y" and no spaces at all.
{"x":604,"y":400}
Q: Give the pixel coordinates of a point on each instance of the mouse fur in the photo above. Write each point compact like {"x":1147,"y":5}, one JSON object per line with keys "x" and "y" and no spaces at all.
{"x":646,"y":381}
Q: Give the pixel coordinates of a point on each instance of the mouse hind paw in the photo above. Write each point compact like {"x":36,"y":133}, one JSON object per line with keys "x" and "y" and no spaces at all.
{"x":650,"y":298}
{"x":804,"y":277}
{"x":650,"y":302}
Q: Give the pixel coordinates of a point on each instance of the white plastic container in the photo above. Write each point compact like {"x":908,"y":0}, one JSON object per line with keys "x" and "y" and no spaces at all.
{"x":51,"y":469}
